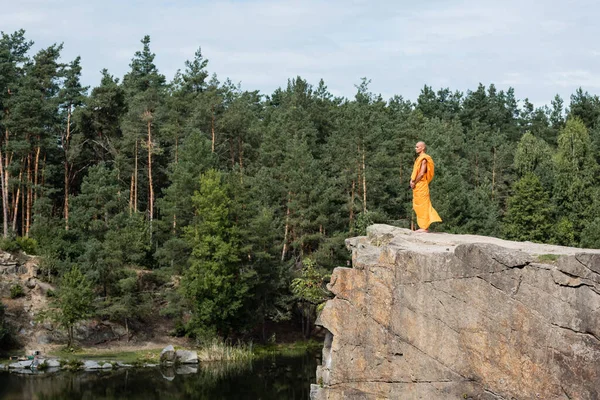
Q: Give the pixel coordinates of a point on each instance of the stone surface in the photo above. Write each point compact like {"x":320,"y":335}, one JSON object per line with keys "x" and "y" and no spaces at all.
{"x":52,"y":363}
{"x":21,"y":364}
{"x":441,"y":316}
{"x":168,"y":355}
{"x":186,"y":356}
{"x":89,"y":365}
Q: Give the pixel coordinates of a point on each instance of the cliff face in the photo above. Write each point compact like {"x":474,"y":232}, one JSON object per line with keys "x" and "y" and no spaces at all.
{"x":440,"y":316}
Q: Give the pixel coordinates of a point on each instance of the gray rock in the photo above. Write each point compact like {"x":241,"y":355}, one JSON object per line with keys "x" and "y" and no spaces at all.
{"x":168,"y":355}
{"x":123,"y":365}
{"x":441,"y":316}
{"x":186,"y":356}
{"x":43,"y":339}
{"x":52,"y":363}
{"x":107,"y":366}
{"x":31,"y":283}
{"x":21,"y":364}
{"x":89,"y":365}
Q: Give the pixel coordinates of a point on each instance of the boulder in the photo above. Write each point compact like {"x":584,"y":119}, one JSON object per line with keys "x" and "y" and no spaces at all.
{"x":123,"y":365}
{"x":31,"y":283}
{"x":186,"y":357}
{"x":90,"y":365}
{"x":21,"y":364}
{"x":168,"y":355}
{"x":107,"y":366}
{"x":52,"y":363}
{"x":441,"y":316}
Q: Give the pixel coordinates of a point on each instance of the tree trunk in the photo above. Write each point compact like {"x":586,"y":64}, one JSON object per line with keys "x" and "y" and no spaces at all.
{"x":287,"y":226}
{"x":494,"y":174}
{"x":36,"y":172}
{"x":358,"y":171}
{"x":135,"y":178}
{"x":131,"y":195}
{"x":16,"y":203}
{"x":352,"y":205}
{"x":364,"y":176}
{"x":23,"y":209}
{"x":4,"y":199}
{"x":150,"y":185}
{"x":66,"y":152}
{"x":29,"y":195}
{"x":212,"y":128}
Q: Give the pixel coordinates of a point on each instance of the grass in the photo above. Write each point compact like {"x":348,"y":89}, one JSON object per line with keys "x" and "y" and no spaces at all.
{"x":288,"y":349}
{"x":219,"y":350}
{"x":127,"y":357}
{"x":548,"y":258}
{"x":216,"y":350}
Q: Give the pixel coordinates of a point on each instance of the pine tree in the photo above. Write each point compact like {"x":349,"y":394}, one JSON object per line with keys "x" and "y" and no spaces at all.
{"x":214,"y":283}
{"x":576,"y":175}
{"x":71,"y":96}
{"x":529,"y":213}
{"x":144,"y":87}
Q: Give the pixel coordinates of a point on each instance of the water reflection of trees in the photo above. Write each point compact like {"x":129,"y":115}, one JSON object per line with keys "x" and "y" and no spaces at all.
{"x":267,"y":378}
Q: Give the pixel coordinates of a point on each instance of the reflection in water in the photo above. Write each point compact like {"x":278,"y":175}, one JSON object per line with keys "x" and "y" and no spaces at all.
{"x":268,"y":378}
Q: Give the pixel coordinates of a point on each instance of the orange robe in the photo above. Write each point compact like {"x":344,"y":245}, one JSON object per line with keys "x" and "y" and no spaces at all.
{"x":426,"y":214}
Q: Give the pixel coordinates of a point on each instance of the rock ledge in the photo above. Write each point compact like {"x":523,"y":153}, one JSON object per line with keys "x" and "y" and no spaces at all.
{"x":441,"y":316}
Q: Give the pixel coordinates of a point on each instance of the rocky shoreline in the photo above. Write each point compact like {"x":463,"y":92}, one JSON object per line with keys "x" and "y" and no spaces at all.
{"x":169,"y":357}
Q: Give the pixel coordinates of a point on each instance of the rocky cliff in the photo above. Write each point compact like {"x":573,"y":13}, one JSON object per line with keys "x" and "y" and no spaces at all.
{"x":441,"y":316}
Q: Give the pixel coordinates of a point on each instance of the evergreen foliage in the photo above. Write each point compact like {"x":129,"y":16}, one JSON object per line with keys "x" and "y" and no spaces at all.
{"x":73,"y":301}
{"x":224,"y":191}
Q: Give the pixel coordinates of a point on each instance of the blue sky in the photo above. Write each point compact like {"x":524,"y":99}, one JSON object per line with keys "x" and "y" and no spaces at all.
{"x":541,"y":48}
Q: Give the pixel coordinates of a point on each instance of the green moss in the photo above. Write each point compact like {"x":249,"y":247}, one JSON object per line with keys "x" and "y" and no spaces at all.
{"x":548,"y":258}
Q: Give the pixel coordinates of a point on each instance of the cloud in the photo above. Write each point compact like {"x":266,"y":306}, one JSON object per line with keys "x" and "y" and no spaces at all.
{"x":400,"y":45}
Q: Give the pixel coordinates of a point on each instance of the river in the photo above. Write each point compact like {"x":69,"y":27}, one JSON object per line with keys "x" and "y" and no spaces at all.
{"x":272,"y":377}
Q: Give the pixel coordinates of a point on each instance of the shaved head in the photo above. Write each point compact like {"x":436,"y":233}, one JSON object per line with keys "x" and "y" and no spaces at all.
{"x":420,"y":147}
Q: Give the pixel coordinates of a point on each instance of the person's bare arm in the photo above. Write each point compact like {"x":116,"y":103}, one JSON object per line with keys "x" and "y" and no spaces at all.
{"x":421,"y":173}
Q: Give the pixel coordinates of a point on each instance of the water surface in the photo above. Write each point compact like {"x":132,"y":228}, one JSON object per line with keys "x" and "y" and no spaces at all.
{"x":277,"y":377}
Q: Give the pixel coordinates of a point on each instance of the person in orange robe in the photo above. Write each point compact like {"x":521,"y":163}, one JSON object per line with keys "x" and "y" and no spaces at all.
{"x":423,"y":171}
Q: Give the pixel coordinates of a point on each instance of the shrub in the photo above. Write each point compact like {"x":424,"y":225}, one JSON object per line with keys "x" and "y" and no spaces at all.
{"x":9,"y":245}
{"x":28,"y":245}
{"x":16,"y":291}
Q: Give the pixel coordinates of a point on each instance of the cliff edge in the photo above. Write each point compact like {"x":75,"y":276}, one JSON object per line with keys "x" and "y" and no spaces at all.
{"x":442,"y":316}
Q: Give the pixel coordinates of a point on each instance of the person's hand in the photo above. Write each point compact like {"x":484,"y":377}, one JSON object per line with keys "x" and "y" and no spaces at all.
{"x":412,"y":184}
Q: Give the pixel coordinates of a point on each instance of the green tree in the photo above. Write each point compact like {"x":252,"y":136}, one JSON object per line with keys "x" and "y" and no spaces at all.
{"x":529,"y":213}
{"x":534,"y":156}
{"x":145,"y":88}
{"x":73,"y":301}
{"x":310,"y":292}
{"x":71,"y":96}
{"x":576,"y":175}
{"x":215,"y":285}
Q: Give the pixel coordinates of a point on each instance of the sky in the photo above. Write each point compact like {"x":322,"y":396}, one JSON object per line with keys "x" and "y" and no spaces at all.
{"x":541,"y":48}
